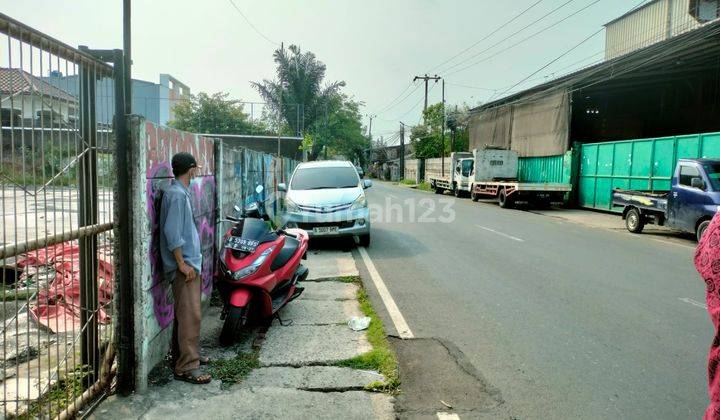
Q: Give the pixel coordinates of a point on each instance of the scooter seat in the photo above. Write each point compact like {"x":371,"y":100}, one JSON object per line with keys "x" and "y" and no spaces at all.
{"x":288,"y":250}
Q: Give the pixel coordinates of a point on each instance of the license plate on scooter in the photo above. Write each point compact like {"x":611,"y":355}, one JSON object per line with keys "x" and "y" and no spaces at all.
{"x":325,"y":230}
{"x":242,"y":244}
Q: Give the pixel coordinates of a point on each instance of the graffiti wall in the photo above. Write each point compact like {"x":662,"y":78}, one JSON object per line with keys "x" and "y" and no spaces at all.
{"x":240,"y":171}
{"x":228,"y":177}
{"x":153,"y":148}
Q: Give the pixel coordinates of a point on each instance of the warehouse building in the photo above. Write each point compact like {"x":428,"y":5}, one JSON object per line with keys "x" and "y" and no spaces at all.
{"x":627,"y":119}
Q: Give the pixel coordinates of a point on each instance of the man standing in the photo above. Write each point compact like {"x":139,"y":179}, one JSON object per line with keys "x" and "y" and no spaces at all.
{"x":182,"y":260}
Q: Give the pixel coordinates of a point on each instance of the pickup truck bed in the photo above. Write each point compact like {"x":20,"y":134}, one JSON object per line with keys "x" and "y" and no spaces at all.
{"x":640,"y":199}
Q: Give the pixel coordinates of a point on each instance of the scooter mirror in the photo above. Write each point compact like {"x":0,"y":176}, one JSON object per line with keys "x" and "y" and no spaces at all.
{"x":259,"y":189}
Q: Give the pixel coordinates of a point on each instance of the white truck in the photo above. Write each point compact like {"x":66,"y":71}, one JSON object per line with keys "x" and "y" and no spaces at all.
{"x":457,"y":180}
{"x":496,"y":176}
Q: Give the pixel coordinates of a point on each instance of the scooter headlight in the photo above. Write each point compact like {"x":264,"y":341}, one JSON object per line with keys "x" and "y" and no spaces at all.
{"x":290,"y":206}
{"x":359,"y":203}
{"x":252,"y":268}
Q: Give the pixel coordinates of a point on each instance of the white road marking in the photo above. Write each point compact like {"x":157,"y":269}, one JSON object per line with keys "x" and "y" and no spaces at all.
{"x":500,"y":233}
{"x":447,"y":416}
{"x":671,"y":243}
{"x":397,"y":318}
{"x":694,"y":302}
{"x":393,"y":196}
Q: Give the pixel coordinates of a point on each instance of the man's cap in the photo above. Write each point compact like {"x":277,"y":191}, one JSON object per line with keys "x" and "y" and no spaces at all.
{"x":183,"y":162}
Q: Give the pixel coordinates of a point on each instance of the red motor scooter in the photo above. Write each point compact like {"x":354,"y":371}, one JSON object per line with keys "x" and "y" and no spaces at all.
{"x":259,"y":269}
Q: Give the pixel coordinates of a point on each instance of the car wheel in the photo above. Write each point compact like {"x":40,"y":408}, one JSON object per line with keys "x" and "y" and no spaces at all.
{"x":634,"y":221}
{"x":701,"y":229}
{"x":364,"y":240}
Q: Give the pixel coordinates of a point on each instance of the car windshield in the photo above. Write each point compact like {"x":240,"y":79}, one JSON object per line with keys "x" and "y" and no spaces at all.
{"x":325,"y":178}
{"x":713,"y":172}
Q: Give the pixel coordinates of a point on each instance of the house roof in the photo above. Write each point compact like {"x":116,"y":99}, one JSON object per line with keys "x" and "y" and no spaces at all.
{"x":17,"y":81}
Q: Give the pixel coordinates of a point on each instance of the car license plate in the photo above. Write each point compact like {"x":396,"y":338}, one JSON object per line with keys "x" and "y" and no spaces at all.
{"x":325,"y":230}
{"x":242,"y":244}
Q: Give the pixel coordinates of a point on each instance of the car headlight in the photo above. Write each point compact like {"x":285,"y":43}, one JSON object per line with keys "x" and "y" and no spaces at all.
{"x":290,"y":206}
{"x":241,"y":274}
{"x":359,"y":203}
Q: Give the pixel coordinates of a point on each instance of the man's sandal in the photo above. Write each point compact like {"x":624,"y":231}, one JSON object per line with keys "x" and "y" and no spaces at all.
{"x":195,"y":376}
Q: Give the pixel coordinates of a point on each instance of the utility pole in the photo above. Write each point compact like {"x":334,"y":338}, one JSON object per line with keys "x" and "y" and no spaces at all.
{"x":282,"y":89}
{"x":442,"y":150}
{"x":370,"y":126}
{"x":426,"y":78}
{"x":402,"y":150}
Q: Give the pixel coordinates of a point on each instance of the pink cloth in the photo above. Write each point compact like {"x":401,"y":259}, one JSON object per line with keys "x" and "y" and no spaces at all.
{"x":57,"y":307}
{"x":707,"y":263}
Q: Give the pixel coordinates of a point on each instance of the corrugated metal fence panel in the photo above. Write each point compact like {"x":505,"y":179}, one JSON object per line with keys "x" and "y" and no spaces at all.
{"x":644,"y":164}
{"x":542,"y":169}
{"x":411,"y":170}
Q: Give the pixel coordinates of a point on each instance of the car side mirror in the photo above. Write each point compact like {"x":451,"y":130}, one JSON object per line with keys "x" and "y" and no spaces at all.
{"x":282,"y":187}
{"x":367,"y":183}
{"x":697,"y":183}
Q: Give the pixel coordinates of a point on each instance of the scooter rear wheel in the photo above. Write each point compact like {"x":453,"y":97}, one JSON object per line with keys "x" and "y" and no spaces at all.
{"x":232,"y":325}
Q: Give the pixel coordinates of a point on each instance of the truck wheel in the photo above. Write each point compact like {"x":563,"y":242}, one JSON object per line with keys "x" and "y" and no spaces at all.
{"x":634,"y":221}
{"x":504,"y":201}
{"x":701,"y":229}
{"x":438,"y":190}
{"x":474,"y":197}
{"x":456,"y":191}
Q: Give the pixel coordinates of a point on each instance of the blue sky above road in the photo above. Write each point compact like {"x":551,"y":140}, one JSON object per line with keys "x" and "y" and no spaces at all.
{"x":375,"y":46}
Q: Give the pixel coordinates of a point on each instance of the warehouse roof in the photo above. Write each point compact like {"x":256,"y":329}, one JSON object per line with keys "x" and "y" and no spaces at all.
{"x":663,"y":58}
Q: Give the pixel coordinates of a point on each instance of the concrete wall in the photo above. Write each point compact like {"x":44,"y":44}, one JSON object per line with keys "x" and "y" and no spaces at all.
{"x":152,"y":149}
{"x":411,"y":170}
{"x":433,"y":168}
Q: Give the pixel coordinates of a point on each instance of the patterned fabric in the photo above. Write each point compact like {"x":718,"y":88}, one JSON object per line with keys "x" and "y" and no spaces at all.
{"x":707,"y":263}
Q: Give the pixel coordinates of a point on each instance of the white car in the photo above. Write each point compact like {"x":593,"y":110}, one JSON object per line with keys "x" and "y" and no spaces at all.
{"x":327,"y":198}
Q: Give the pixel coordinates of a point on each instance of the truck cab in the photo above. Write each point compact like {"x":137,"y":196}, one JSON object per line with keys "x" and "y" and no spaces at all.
{"x":462,"y":174}
{"x":695,"y":194}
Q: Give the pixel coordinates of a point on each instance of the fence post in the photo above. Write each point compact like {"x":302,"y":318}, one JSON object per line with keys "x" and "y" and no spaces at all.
{"x":124,"y":330}
{"x":87,"y":216}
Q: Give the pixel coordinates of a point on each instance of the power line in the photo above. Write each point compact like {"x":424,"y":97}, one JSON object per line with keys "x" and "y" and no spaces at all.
{"x":392,"y":103}
{"x":486,"y":36}
{"x":257,"y":31}
{"x":554,"y":60}
{"x":519,"y":42}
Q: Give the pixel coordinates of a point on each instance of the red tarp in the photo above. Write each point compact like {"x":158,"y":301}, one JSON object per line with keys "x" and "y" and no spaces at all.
{"x":57,"y":306}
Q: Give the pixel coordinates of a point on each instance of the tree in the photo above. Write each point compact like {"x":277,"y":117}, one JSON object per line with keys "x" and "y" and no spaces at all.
{"x":426,"y":138}
{"x":214,"y":114}
{"x":302,"y":92}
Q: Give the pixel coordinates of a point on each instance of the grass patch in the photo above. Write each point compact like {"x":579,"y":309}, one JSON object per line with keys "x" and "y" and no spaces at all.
{"x":349,"y":279}
{"x":232,"y":371}
{"x":59,"y":396}
{"x":381,"y":358}
{"x":407,"y":182}
{"x":424,"y":186}
{"x":10,"y":294}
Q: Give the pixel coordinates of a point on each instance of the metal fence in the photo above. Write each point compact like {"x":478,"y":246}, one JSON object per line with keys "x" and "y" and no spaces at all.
{"x":57,"y":182}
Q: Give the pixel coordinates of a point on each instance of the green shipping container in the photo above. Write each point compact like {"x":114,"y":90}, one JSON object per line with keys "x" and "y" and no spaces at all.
{"x":643,"y":164}
{"x":555,"y":169}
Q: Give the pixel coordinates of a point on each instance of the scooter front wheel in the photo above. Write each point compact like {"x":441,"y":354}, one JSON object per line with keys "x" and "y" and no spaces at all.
{"x":233,"y":322}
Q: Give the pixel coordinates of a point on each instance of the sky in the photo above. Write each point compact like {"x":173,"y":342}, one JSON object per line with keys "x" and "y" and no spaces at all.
{"x":375,"y":46}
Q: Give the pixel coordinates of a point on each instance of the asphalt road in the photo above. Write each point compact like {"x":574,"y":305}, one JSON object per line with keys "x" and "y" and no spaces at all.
{"x":565,"y":320}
